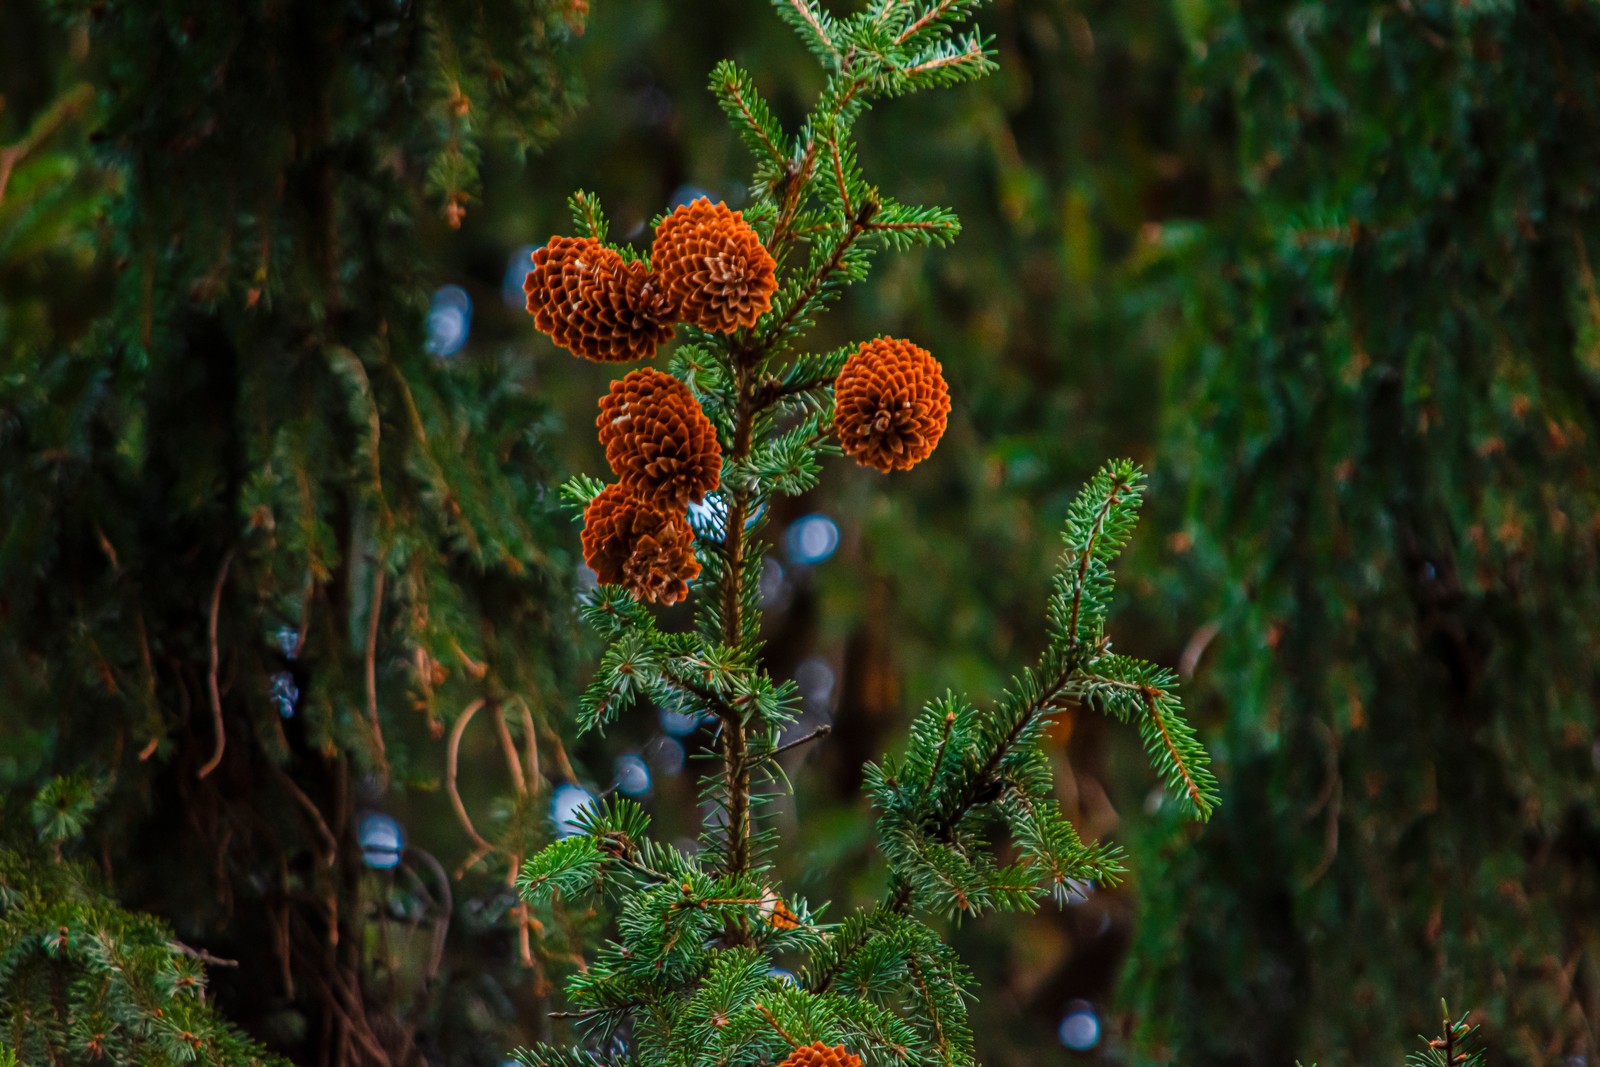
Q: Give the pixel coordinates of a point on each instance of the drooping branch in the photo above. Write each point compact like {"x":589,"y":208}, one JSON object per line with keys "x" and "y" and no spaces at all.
{"x":211,"y":676}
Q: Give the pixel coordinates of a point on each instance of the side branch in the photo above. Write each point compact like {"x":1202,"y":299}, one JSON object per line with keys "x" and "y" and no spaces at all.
{"x":805,"y":11}
{"x":899,"y":902}
{"x":928,"y":16}
{"x":977,"y":782}
{"x":731,"y":87}
{"x":1086,"y":555}
{"x":211,"y":678}
{"x":974,"y":51}
{"x":480,"y":847}
{"x":1152,"y":698}
{"x":814,"y":284}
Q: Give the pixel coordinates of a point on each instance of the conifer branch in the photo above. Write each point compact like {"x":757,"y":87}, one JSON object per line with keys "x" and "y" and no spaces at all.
{"x":822,"y":731}
{"x":818,"y":279}
{"x":1090,"y":546}
{"x":933,"y":13}
{"x":1197,"y":797}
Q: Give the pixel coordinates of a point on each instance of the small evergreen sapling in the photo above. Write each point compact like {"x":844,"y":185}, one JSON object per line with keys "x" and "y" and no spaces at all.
{"x":1456,"y":1046}
{"x":688,"y":976}
{"x":83,"y":980}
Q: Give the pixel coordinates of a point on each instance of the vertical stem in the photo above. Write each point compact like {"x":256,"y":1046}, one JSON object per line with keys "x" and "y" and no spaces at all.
{"x":736,"y":764}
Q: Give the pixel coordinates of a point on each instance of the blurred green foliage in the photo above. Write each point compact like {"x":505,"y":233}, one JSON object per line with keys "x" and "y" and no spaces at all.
{"x":263,"y":544}
{"x":1388,"y":390}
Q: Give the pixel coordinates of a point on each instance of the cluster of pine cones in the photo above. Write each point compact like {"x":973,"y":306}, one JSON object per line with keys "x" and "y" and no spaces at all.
{"x":817,"y":1054}
{"x":707,"y":268}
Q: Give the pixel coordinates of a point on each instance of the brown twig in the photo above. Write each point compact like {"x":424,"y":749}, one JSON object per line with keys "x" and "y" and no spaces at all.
{"x":520,"y":913}
{"x":1198,"y":643}
{"x":1330,"y":797}
{"x":200,"y":954}
{"x":822,"y":731}
{"x":530,"y":743}
{"x":452,"y":757}
{"x":562,"y":762}
{"x":66,"y":108}
{"x":772,"y":1021}
{"x":509,"y":747}
{"x":371,"y":654}
{"x":312,"y":810}
{"x":216,"y":695}
{"x":441,"y":929}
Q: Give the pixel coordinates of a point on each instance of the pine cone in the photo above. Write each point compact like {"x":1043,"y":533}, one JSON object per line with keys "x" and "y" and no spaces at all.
{"x":889,"y":404}
{"x":657,"y":439}
{"x":712,"y":264}
{"x":595,"y":305}
{"x":817,"y":1054}
{"x":647,"y":550}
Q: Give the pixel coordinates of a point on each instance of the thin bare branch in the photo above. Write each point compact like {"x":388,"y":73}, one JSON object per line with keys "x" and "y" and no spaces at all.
{"x":211,"y":678}
{"x":373,"y":614}
{"x":509,"y":747}
{"x":452,"y":758}
{"x":530,"y":743}
{"x":822,"y":731}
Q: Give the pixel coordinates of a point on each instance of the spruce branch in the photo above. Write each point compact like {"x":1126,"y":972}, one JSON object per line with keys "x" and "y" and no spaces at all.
{"x":940,"y":9}
{"x":813,"y":25}
{"x":820,"y":280}
{"x":587,"y":215}
{"x":753,"y":121}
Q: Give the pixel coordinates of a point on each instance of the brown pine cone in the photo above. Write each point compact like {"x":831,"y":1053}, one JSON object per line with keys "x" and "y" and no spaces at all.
{"x":716,"y":272}
{"x":594,"y":304}
{"x":817,"y":1054}
{"x":890,"y":403}
{"x":658,"y":440}
{"x":647,"y":550}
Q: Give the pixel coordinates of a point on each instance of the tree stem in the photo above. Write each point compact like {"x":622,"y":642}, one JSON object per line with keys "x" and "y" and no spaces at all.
{"x":735,"y":747}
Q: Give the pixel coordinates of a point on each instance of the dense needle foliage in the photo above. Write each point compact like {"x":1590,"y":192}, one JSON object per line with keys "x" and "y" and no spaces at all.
{"x":262,"y":545}
{"x":1391,"y":399}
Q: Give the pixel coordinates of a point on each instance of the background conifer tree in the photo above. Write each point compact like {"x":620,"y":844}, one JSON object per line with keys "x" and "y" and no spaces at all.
{"x":264,"y":542}
{"x":1390,"y":396}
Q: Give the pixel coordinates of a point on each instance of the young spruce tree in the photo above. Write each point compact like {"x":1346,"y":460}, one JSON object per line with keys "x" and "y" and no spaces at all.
{"x":745,"y":415}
